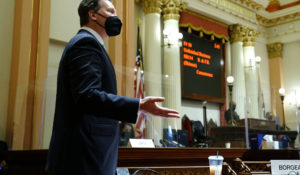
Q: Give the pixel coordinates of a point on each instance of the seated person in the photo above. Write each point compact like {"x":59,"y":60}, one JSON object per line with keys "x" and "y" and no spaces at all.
{"x":235,"y":116}
{"x":126,"y":132}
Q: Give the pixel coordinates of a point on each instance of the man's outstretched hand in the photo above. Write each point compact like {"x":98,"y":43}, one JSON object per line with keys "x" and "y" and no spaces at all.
{"x":148,"y":105}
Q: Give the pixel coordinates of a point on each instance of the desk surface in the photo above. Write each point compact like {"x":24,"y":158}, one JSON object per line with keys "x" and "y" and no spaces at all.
{"x":33,"y":161}
{"x":236,"y":135}
{"x":223,"y":130}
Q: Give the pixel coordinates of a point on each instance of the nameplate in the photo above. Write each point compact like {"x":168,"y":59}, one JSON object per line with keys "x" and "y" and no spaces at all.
{"x":289,"y":167}
{"x":141,"y":143}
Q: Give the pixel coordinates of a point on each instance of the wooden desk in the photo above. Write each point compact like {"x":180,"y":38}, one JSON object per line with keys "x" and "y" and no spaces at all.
{"x":32,"y":162}
{"x":144,"y":157}
{"x":173,"y":170}
{"x":236,"y":135}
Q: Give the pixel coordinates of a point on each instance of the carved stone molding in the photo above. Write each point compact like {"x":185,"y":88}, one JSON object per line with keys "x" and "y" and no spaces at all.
{"x":254,"y":5}
{"x":236,"y":33}
{"x":279,"y":20}
{"x":152,"y":6}
{"x":249,"y":37}
{"x":240,"y":33}
{"x":275,"y":50}
{"x":172,"y":8}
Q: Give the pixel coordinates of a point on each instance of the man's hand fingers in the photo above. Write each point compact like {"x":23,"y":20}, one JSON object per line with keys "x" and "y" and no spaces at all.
{"x":167,"y":113}
{"x":149,"y":106}
{"x":156,"y":99}
{"x":167,"y":110}
{"x":170,"y":115}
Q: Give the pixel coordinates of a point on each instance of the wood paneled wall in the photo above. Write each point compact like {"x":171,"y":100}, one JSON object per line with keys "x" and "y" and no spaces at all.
{"x":28,"y":74}
{"x":121,"y":48}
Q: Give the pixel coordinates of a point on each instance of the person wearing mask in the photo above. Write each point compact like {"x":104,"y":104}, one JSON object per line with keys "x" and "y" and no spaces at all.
{"x":235,"y":116}
{"x":85,"y":134}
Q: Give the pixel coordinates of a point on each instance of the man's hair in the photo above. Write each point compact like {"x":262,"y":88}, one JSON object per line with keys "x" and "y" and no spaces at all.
{"x":84,"y":8}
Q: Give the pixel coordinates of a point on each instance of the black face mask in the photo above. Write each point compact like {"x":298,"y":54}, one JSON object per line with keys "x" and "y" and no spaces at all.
{"x":113,"y":25}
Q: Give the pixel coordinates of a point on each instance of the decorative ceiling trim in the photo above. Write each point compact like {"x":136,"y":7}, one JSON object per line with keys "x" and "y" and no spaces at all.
{"x":252,"y":4}
{"x":277,"y":21}
{"x":290,"y":5}
{"x":243,"y":9}
{"x":233,"y":8}
{"x":274,"y":5}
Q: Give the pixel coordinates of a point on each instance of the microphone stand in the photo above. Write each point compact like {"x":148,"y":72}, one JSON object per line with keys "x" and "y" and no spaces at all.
{"x":203,"y":140}
{"x":205,"y":119}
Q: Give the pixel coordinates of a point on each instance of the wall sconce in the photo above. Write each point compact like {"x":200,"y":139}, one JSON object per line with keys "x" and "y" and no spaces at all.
{"x":257,"y":65}
{"x":254,"y":62}
{"x":230,"y":80}
{"x":257,"y":60}
{"x":282,"y":94}
{"x":251,"y":63}
{"x":172,"y":38}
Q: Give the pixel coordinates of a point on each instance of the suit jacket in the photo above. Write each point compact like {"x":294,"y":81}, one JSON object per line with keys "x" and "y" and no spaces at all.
{"x":85,"y":134}
{"x":235,"y":116}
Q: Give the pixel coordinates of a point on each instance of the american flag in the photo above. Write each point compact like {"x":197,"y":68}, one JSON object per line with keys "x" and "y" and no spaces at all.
{"x":139,"y":85}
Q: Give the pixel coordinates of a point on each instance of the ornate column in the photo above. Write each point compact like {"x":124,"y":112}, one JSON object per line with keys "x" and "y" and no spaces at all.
{"x":251,"y":78}
{"x":171,"y":61}
{"x":276,"y":76}
{"x":236,"y":32}
{"x":152,"y":62}
{"x":227,"y":69}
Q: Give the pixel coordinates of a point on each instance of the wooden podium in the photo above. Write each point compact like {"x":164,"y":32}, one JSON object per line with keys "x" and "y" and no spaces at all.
{"x":258,"y":124}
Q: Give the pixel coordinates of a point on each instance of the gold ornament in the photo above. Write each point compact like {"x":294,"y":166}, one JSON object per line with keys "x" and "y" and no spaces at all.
{"x":201,"y":34}
{"x":275,"y":50}
{"x":236,"y":33}
{"x":171,"y":9}
{"x":252,"y":4}
{"x":152,"y":6}
{"x":277,"y":21}
{"x":249,"y":37}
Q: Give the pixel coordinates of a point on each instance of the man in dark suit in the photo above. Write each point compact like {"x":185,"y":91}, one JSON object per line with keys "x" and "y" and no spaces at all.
{"x":85,"y":134}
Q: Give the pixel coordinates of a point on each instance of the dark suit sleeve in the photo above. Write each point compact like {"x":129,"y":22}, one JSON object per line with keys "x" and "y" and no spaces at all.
{"x":87,"y":67}
{"x":227,"y":115}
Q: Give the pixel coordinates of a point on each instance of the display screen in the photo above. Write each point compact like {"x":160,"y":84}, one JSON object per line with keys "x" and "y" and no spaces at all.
{"x":202,"y":68}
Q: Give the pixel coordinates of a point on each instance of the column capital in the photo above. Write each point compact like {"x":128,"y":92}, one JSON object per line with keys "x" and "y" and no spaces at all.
{"x":152,"y":6}
{"x":172,"y":8}
{"x":275,"y":50}
{"x":249,"y":36}
{"x":236,"y":33}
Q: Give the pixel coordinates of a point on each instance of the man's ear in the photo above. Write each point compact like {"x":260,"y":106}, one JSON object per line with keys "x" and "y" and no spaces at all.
{"x":92,"y":15}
